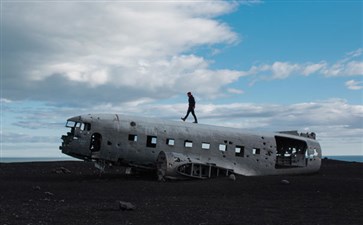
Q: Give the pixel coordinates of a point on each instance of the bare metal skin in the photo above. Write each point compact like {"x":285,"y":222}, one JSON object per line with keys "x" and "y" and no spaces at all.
{"x":178,"y":150}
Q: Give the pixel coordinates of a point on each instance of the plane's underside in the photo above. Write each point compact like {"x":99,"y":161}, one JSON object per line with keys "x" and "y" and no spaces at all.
{"x":185,"y":150}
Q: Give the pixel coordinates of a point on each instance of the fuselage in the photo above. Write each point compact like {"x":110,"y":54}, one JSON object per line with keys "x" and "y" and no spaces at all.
{"x":146,"y":142}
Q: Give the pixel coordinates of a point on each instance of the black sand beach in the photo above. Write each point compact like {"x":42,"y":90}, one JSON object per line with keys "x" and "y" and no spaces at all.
{"x":75,"y":193}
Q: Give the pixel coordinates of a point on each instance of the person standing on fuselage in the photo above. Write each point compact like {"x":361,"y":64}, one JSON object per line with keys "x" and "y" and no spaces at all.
{"x":191,"y":108}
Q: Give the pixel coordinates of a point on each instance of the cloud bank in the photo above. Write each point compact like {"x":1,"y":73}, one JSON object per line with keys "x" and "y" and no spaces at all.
{"x":350,"y":65}
{"x":141,"y":48}
{"x":117,"y":52}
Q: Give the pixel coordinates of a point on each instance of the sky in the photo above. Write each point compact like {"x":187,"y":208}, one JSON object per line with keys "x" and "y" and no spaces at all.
{"x":253,"y":65}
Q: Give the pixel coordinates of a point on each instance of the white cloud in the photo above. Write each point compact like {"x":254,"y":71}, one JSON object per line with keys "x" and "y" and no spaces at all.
{"x":313,"y":68}
{"x":276,"y":71}
{"x":82,"y":73}
{"x":4,"y":100}
{"x":282,"y":70}
{"x":142,"y":48}
{"x":352,"y":68}
{"x":138,"y":46}
{"x":355,"y":53}
{"x":347,"y":66}
{"x":354,"y":85}
{"x":235,"y":91}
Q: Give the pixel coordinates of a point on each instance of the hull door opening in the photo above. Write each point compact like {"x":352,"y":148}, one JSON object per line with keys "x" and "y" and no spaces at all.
{"x":290,"y":153}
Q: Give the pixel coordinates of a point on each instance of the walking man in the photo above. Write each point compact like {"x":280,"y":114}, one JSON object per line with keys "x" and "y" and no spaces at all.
{"x":191,"y":108}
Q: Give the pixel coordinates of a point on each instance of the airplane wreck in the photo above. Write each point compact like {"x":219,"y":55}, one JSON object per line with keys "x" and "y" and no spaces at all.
{"x":180,"y":150}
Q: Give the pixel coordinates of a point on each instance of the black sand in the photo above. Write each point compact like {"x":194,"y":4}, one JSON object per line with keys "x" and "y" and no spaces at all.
{"x":43,"y":193}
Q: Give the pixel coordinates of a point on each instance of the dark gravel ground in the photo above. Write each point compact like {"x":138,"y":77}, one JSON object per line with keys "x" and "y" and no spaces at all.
{"x":75,"y":193}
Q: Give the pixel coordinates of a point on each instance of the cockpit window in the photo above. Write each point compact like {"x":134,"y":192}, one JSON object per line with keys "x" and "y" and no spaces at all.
{"x":81,"y":126}
{"x":70,"y":124}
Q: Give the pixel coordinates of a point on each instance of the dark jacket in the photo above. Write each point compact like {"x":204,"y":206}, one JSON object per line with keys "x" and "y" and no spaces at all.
{"x":191,"y":101}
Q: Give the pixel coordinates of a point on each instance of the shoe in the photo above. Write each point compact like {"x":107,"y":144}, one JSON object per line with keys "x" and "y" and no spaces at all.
{"x":182,"y":119}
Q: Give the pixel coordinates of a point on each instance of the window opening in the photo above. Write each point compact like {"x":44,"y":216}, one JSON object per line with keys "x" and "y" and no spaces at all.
{"x":222,"y":147}
{"x":133,"y":137}
{"x":151,"y":141}
{"x":312,"y":153}
{"x":316,"y":152}
{"x":87,"y":126}
{"x":205,"y":145}
{"x":80,"y":126}
{"x":256,"y":151}
{"x":290,"y":152}
{"x":240,"y":151}
{"x":188,"y":144}
{"x":95,"y":144}
{"x":170,"y":141}
{"x":70,"y":123}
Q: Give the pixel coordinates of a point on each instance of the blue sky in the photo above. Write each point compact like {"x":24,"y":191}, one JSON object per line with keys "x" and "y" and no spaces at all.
{"x":254,"y":65}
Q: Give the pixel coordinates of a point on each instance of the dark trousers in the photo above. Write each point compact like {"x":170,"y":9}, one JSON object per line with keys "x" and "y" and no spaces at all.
{"x":191,"y":110}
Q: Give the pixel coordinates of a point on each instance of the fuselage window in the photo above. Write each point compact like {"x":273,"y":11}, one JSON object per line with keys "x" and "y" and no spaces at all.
{"x":312,"y":153}
{"x":70,"y":124}
{"x":81,"y":126}
{"x":87,"y":126}
{"x":96,"y":140}
{"x":240,"y":151}
{"x":222,"y":147}
{"x":188,"y":144}
{"x":151,"y":141}
{"x":170,"y":141}
{"x":256,"y":151}
{"x":316,"y":152}
{"x":205,"y":145}
{"x":133,"y":137}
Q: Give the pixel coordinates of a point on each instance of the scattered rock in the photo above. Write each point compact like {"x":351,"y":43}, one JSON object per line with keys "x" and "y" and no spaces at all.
{"x":126,"y":206}
{"x":285,"y":182}
{"x":61,"y":170}
{"x":36,"y":188}
{"x":232,"y":177}
{"x":48,"y":193}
